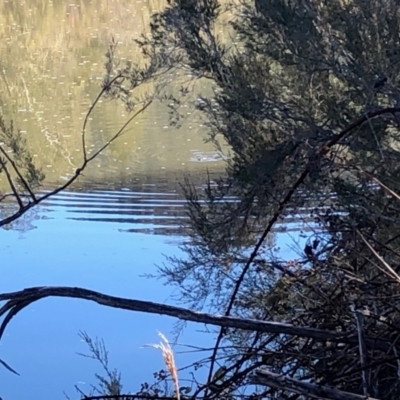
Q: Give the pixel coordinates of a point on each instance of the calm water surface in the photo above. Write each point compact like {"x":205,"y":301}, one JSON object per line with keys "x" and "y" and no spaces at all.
{"x":99,"y":239}
{"x":103,"y":240}
{"x":120,"y":220}
{"x":117,"y":223}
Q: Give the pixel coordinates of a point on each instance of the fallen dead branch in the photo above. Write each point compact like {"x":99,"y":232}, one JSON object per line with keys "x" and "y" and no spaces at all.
{"x":17,"y":301}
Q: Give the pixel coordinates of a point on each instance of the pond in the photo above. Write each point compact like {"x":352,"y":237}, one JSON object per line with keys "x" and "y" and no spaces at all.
{"x":104,"y":240}
{"x":115,"y":224}
{"x":98,"y":239}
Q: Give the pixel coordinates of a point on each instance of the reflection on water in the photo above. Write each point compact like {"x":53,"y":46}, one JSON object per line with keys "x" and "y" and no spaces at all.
{"x":51,"y":68}
{"x":96,"y":253}
{"x":151,"y":208}
{"x":207,"y":157}
{"x":106,"y":232}
{"x":103,"y":240}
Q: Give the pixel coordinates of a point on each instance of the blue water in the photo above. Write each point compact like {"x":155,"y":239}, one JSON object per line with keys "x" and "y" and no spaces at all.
{"x":100,"y":240}
{"x":67,"y":244}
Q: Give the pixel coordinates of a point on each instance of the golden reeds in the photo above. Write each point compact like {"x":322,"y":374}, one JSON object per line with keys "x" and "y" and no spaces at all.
{"x":169,"y":360}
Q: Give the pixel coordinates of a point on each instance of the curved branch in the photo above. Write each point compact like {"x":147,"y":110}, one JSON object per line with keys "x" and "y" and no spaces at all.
{"x":120,"y":131}
{"x":24,"y":208}
{"x":91,"y":108}
{"x":16,"y":301}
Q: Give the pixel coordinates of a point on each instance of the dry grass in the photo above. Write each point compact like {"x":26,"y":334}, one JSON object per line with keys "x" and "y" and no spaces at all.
{"x":169,"y":360}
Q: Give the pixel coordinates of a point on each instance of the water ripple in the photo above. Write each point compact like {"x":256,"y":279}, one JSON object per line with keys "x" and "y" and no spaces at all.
{"x":146,"y":212}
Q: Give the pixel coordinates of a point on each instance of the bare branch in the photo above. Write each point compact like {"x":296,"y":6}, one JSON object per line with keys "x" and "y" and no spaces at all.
{"x":11,"y":183}
{"x":362,"y":350}
{"x":16,"y":301}
{"x":8,"y":367}
{"x":91,"y":108}
{"x":17,"y":171}
{"x":392,"y":273}
{"x":376,"y":180}
{"x":318,"y":153}
{"x":315,"y":391}
{"x":24,"y":208}
{"x":120,"y":131}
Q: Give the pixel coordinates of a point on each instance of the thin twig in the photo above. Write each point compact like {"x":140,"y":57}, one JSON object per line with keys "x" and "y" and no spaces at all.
{"x":333,"y":141}
{"x":392,"y":272}
{"x":91,"y":108}
{"x":17,"y":171}
{"x":8,"y":367}
{"x":121,"y":130}
{"x":11,"y":183}
{"x":362,"y":350}
{"x":376,"y":140}
{"x":78,"y":172}
{"x":376,"y":180}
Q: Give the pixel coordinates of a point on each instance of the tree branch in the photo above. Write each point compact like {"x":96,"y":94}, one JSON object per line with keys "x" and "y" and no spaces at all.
{"x":11,"y":183}
{"x":17,"y":301}
{"x":18,"y":172}
{"x":24,"y":208}
{"x":91,"y":108}
{"x":313,"y":390}
{"x":319,"y":152}
{"x":362,"y":350}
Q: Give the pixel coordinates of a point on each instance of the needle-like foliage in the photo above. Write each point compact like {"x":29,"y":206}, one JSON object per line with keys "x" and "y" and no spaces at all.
{"x":306,"y":95}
